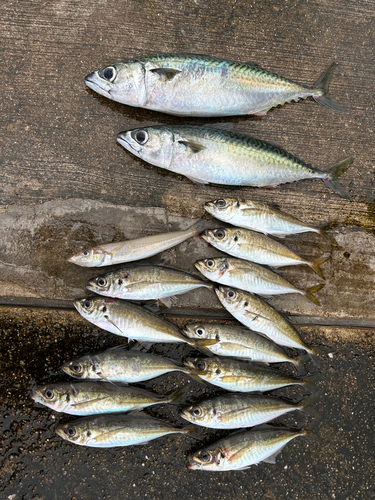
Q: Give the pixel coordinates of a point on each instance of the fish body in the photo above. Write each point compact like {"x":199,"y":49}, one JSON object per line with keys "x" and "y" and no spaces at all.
{"x":250,"y":277}
{"x":233,"y":411}
{"x":87,"y":398}
{"x":241,"y":450}
{"x":238,"y":342}
{"x":145,"y":282}
{"x":240,"y":376}
{"x":258,"y":248}
{"x":120,"y":365}
{"x":211,"y":155}
{"x":131,"y":250}
{"x":107,"y":431}
{"x":260,"y":317}
{"x":179,"y":84}
{"x":128,"y":320}
{"x":258,"y":216}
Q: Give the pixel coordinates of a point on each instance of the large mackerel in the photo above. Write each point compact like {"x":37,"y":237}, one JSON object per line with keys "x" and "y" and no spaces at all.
{"x":200,"y":85}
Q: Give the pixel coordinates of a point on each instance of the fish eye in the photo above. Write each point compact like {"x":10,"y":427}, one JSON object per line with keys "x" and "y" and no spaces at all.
{"x":205,"y":456}
{"x":210,"y":263}
{"x":88,"y":433}
{"x":104,"y":309}
{"x":87,"y":304}
{"x":120,"y":281}
{"x":246,"y":303}
{"x":71,"y":431}
{"x":85,"y":253}
{"x":197,"y":411}
{"x":141,"y":136}
{"x":235,"y":238}
{"x":220,"y":234}
{"x":108,"y":73}
{"x":238,"y":203}
{"x":49,"y":394}
{"x":77,"y":368}
{"x":201,"y":365}
{"x":221,"y":203}
{"x":199,"y":331}
{"x":231,"y":294}
{"x":102,"y":281}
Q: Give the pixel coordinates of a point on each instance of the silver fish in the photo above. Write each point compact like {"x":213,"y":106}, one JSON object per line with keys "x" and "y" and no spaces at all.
{"x":119,"y":365}
{"x":179,"y":84}
{"x":128,"y":320}
{"x":240,"y":376}
{"x":210,"y":155}
{"x":250,"y":277}
{"x":260,"y":217}
{"x":233,"y":411}
{"x":88,"y":398}
{"x":145,"y":282}
{"x":107,"y":431}
{"x":256,"y":247}
{"x":239,"y":342}
{"x":131,"y":250}
{"x":261,"y":317}
{"x":241,"y":450}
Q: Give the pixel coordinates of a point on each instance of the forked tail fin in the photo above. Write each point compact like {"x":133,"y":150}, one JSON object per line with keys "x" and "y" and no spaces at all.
{"x":334,"y":172}
{"x":315,"y":265}
{"x":321,"y":88}
{"x":311,"y":291}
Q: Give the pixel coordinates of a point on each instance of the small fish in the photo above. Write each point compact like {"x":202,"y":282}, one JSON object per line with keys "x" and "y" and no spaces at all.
{"x":211,"y":155}
{"x":241,"y":450}
{"x":128,"y":320}
{"x":232,"y":411}
{"x":250,"y":277}
{"x":179,"y":84}
{"x":131,"y":250}
{"x":87,"y":398}
{"x":256,"y":247}
{"x":119,"y":365}
{"x":261,"y":317}
{"x":145,"y":282}
{"x":107,"y":431}
{"x":260,"y":217}
{"x":240,"y":376}
{"x":239,"y":342}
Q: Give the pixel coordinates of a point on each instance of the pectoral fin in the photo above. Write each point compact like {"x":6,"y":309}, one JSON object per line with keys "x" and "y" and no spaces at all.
{"x":192,"y":147}
{"x":166,"y":74}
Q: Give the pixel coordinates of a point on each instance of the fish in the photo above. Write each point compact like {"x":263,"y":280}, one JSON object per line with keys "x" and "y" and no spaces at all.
{"x":145,"y":282}
{"x":129,"y":320}
{"x":260,"y":217}
{"x":211,"y":155}
{"x":261,"y":317}
{"x":120,"y":365}
{"x":137,"y":249}
{"x":239,"y":342}
{"x":258,"y":248}
{"x":250,"y":277}
{"x":241,"y":450}
{"x":179,"y":84}
{"x":233,"y":411}
{"x":107,"y":431}
{"x":87,"y":398}
{"x":240,"y":376}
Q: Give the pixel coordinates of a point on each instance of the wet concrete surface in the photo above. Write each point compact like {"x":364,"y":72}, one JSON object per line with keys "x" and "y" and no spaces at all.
{"x":336,"y":461}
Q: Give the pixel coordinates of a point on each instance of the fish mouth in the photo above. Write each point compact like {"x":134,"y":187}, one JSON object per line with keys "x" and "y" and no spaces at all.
{"x":78,"y":305}
{"x":60,"y":432}
{"x":199,"y":265}
{"x":184,"y":413}
{"x":92,"y":82}
{"x":91,"y":286}
{"x":206,"y":235}
{"x":210,"y":207}
{"x":126,"y":143}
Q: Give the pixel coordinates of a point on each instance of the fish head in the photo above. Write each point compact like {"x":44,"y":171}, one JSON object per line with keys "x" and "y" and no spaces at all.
{"x":197,"y":331}
{"x":213,"y":269}
{"x":224,"y":208}
{"x":229,"y":297}
{"x":122,"y":82}
{"x":207,"y":459}
{"x":205,"y":368}
{"x":152,"y":144}
{"x":82,"y":368}
{"x":54,"y":396}
{"x":223,"y":239}
{"x":200,"y":414}
{"x":78,"y":431}
{"x":92,"y":309}
{"x":92,"y":257}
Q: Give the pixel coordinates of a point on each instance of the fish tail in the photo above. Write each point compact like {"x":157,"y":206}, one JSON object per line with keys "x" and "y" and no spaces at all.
{"x":320,"y":90}
{"x":199,"y":226}
{"x":192,"y":430}
{"x":310,"y":291}
{"x":318,"y":262}
{"x":332,"y":178}
{"x":323,"y":232}
{"x":177,"y":397}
